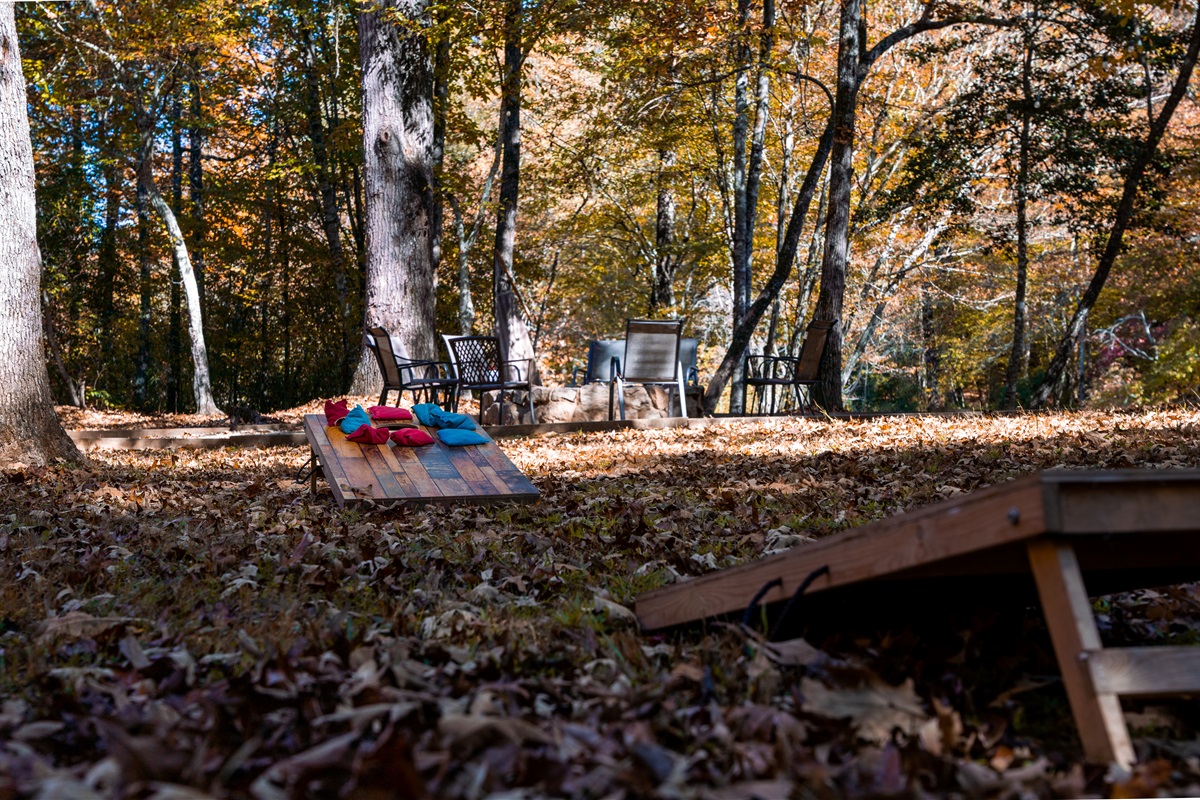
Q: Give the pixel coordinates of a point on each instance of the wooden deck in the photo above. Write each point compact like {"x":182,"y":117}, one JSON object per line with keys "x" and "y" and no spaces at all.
{"x":1120,"y":530}
{"x":435,"y":473}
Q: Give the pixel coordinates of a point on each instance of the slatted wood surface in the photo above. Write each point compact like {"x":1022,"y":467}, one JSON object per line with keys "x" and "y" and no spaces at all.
{"x":436,"y":473}
{"x":1143,"y":525}
{"x":1116,"y":519}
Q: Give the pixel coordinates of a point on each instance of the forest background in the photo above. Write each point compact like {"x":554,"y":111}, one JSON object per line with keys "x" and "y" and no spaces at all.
{"x":663,"y":147}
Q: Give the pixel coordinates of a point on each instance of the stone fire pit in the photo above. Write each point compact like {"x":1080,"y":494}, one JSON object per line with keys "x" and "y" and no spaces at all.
{"x":581,"y":404}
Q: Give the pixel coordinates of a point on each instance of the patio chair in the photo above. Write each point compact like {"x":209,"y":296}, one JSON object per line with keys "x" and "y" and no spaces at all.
{"x":651,"y":357}
{"x":481,"y":367}
{"x":599,"y":361}
{"x":427,"y":380}
{"x":783,"y":372}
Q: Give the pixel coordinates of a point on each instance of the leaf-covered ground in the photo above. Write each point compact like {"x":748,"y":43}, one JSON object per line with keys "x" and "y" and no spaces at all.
{"x":194,"y":623}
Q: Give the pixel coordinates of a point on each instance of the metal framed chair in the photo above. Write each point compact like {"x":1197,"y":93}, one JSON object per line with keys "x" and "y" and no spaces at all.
{"x":481,"y":367}
{"x":782,"y":372}
{"x":427,"y":380}
{"x":651,"y":357}
{"x":599,"y":361}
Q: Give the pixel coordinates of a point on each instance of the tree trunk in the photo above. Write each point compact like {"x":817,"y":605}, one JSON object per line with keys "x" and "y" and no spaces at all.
{"x":174,"y":343}
{"x":196,"y":182}
{"x":201,"y":380}
{"x":30,"y":431}
{"x":666,"y":259}
{"x":466,"y":243}
{"x":911,"y":262}
{"x":107,"y":265}
{"x":74,"y":395}
{"x":930,"y":355}
{"x":828,"y":393}
{"x":1125,"y":209}
{"x":1016,"y":361}
{"x":327,"y":196}
{"x":511,"y":327}
{"x":807,"y":281}
{"x":398,"y":178}
{"x":740,"y":340}
{"x":141,"y":379}
{"x":441,"y":104}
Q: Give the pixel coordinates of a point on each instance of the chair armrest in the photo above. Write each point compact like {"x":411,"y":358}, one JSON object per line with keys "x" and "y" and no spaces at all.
{"x":522,"y":373}
{"x":431,"y":369}
{"x":772,"y":367}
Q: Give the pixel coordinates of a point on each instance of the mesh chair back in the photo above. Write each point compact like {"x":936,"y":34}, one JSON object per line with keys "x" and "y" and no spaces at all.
{"x":477,"y":359}
{"x":380,"y":343}
{"x":687,"y":357}
{"x":651,"y":350}
{"x":599,"y":359}
{"x":812,"y":349}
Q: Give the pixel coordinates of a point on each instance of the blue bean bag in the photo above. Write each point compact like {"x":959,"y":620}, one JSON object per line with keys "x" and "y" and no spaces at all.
{"x":456,"y":437}
{"x":424,"y":412}
{"x":444,"y":419}
{"x":355,"y":420}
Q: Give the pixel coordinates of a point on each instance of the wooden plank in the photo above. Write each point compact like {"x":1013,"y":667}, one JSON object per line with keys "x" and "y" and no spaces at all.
{"x":1121,"y":501}
{"x":335,"y":476}
{"x":1073,"y":632}
{"x":384,"y":475}
{"x":441,"y":471}
{"x":978,"y":521}
{"x":82,"y":435}
{"x":361,"y":481}
{"x":494,"y":479}
{"x":505,"y":470}
{"x":216,"y":440}
{"x":1144,"y":671}
{"x":408,"y":461}
{"x":469,"y":471}
{"x":408,"y":487}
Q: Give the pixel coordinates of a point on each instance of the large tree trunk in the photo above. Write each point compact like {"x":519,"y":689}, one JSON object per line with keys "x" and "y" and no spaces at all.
{"x":1125,"y":209}
{"x":828,"y":392}
{"x":30,"y":431}
{"x":398,"y":165}
{"x":511,"y":327}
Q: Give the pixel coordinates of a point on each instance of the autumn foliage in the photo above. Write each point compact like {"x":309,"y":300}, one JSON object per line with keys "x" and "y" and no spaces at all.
{"x":196,"y":623}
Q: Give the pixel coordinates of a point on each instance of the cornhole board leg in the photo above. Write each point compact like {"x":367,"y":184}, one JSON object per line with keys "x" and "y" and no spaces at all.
{"x":1098,"y":715}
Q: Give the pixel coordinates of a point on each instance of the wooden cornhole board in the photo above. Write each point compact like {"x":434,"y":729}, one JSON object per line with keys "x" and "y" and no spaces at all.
{"x":436,"y":473}
{"x":1118,"y":529}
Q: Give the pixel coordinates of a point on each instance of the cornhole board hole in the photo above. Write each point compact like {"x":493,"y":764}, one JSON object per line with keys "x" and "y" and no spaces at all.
{"x":1117,"y":530}
{"x":435,"y":473}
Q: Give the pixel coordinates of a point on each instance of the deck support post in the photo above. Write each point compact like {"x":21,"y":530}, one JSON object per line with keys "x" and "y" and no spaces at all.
{"x":1073,"y":632}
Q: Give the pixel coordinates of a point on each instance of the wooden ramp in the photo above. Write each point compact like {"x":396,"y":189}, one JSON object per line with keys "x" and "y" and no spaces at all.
{"x":1120,"y":529}
{"x":436,"y":473}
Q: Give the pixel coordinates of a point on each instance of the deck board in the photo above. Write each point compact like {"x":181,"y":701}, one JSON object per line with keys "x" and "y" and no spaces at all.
{"x":437,"y":473}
